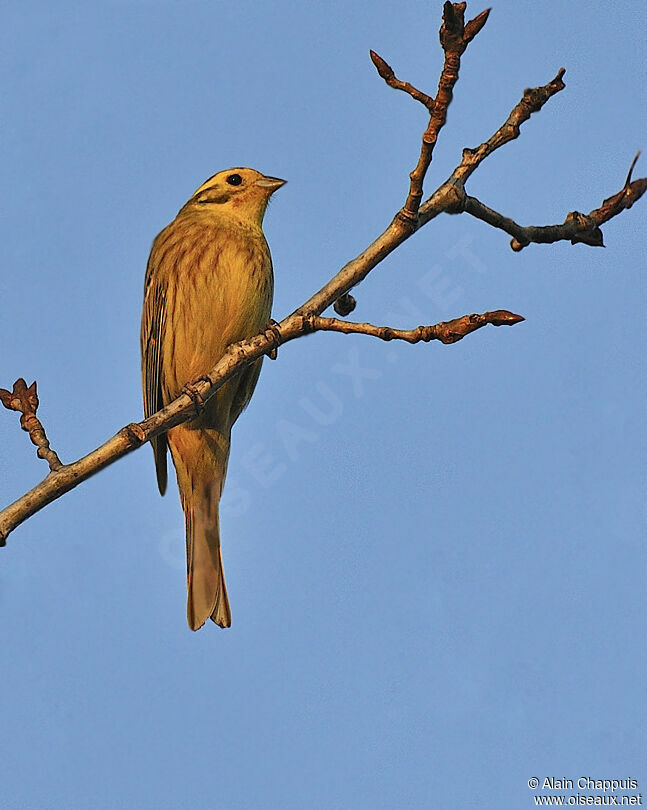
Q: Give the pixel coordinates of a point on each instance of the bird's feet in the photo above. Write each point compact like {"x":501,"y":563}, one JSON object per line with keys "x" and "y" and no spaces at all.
{"x":196,"y":397}
{"x":273,"y":333}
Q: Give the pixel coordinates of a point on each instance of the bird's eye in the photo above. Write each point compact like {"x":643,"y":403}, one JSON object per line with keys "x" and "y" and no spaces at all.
{"x":234,"y":179}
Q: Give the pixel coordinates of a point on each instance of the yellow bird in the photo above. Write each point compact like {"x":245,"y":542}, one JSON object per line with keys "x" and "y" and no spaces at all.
{"x":209,"y":283}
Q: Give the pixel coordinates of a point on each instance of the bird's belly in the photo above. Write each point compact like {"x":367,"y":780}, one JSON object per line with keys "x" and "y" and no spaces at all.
{"x":219,"y":308}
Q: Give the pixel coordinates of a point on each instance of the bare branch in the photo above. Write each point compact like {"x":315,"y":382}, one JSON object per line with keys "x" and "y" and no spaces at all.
{"x":452,"y":198}
{"x":25,"y":400}
{"x":386,"y":72}
{"x":129,"y":438}
{"x":454,"y":39}
{"x":455,"y":36}
{"x":448,"y":197}
{"x":445,"y":331}
{"x":583,"y":228}
{"x":532,"y":101}
{"x":134,"y":435}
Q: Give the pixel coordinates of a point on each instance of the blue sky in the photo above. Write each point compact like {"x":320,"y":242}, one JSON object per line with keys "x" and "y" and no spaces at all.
{"x":435,"y":555}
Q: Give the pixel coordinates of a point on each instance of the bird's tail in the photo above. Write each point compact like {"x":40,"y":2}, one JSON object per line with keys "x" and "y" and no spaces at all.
{"x":200,"y":458}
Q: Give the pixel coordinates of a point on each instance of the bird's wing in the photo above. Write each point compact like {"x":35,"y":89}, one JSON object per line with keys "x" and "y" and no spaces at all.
{"x":153,"y":318}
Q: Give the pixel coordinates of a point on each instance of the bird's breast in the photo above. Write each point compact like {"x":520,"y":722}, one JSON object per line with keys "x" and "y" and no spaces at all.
{"x":220,"y":290}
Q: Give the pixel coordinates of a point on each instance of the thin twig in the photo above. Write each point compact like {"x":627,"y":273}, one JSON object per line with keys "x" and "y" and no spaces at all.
{"x":386,"y":72}
{"x":576,"y":228}
{"x":25,"y":400}
{"x":445,"y":331}
{"x":532,"y":101}
{"x":455,"y":36}
{"x":451,"y":197}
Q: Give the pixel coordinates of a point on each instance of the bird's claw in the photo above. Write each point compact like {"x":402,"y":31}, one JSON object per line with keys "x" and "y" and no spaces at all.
{"x":196,"y":397}
{"x":273,"y":332}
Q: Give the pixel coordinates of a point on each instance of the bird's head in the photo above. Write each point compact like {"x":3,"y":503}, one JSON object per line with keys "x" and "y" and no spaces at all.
{"x":244,"y":193}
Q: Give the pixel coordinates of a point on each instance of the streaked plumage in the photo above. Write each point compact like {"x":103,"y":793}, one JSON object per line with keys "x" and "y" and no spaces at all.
{"x":208,"y":283}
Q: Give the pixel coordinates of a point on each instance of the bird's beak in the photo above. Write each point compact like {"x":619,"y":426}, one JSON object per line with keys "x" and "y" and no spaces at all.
{"x":271,"y":183}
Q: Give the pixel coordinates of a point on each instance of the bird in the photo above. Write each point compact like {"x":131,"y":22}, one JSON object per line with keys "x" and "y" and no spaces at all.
{"x":209,"y":283}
